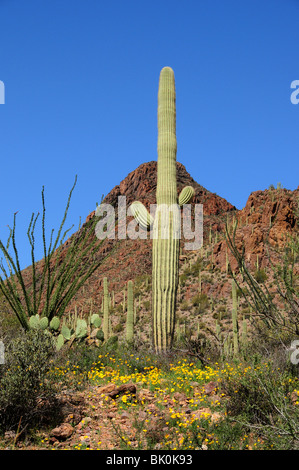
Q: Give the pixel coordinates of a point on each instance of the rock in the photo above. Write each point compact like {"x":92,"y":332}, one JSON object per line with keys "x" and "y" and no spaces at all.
{"x":77,"y":398}
{"x":210,"y":388}
{"x":267,"y":216}
{"x":214,"y":398}
{"x":295,"y":397}
{"x":62,"y":432}
{"x":9,"y":435}
{"x":125,"y":416}
{"x":180,"y":397}
{"x":144,"y":395}
{"x":194,"y":384}
{"x":84,"y":422}
{"x":106,"y":389}
{"x":206,"y":413}
{"x":125,"y":388}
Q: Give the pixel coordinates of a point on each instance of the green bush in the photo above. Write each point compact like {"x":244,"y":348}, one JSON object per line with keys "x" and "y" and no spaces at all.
{"x":118,"y":328}
{"x":26,"y":392}
{"x":261,"y":399}
{"x":260,"y":276}
{"x":183,"y":279}
{"x":200,"y":301}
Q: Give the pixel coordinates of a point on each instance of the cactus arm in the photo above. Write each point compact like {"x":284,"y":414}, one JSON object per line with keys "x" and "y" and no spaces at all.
{"x":186,"y":195}
{"x":141,"y":215}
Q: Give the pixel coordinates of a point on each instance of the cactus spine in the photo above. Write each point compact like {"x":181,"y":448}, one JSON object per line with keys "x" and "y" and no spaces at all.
{"x":130,"y":314}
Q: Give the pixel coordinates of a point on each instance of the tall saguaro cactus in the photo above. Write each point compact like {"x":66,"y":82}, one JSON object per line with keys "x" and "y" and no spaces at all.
{"x":166,"y":234}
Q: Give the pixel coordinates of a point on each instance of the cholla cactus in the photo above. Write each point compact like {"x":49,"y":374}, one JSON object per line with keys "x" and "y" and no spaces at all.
{"x":166,"y":236}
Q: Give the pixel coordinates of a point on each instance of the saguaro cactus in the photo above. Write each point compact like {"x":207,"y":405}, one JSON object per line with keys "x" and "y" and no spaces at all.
{"x":130,"y":314}
{"x":235,"y":318}
{"x":106,"y":310}
{"x":166,"y":234}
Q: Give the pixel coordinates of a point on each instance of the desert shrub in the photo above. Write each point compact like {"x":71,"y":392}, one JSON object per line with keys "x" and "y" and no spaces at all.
{"x":260,"y":276}
{"x":119,"y":308}
{"x":200,"y":301}
{"x":82,"y":357}
{"x":261,"y":399}
{"x":118,"y":327}
{"x":27,"y":394}
{"x":247,"y":398}
{"x":183,"y":279}
{"x":185,"y":306}
{"x":198,"y":265}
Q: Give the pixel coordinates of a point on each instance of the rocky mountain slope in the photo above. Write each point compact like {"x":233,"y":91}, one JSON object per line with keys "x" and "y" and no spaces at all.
{"x":205,"y":285}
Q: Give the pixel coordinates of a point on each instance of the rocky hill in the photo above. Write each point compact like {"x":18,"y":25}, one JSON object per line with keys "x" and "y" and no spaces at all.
{"x":205,"y":284}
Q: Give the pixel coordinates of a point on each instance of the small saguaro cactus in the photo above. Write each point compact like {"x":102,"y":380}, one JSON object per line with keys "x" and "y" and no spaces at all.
{"x":235,"y":318}
{"x":244,"y":332}
{"x":130,"y":314}
{"x":166,"y":237}
{"x":106,"y":310}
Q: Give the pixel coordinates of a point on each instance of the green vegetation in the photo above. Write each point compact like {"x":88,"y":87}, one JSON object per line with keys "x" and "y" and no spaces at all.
{"x":218,"y":374}
{"x":55,"y":280}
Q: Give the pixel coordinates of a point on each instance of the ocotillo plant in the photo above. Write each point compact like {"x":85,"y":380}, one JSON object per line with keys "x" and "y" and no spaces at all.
{"x":166,"y":239}
{"x":54,"y":285}
{"x":130,"y":314}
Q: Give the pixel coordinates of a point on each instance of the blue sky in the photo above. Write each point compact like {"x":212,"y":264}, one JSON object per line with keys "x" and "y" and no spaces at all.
{"x":81,"y":81}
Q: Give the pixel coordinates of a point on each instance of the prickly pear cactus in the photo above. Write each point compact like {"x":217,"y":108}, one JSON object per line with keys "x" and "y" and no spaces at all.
{"x":66,"y":332}
{"x":55,"y":324}
{"x":95,"y":320}
{"x":34,"y":321}
{"x":59,"y":342}
{"x":43,"y":323}
{"x":81,"y":329}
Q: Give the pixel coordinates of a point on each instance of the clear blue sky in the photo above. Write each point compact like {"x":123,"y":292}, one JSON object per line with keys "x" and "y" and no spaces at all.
{"x":81,"y":81}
